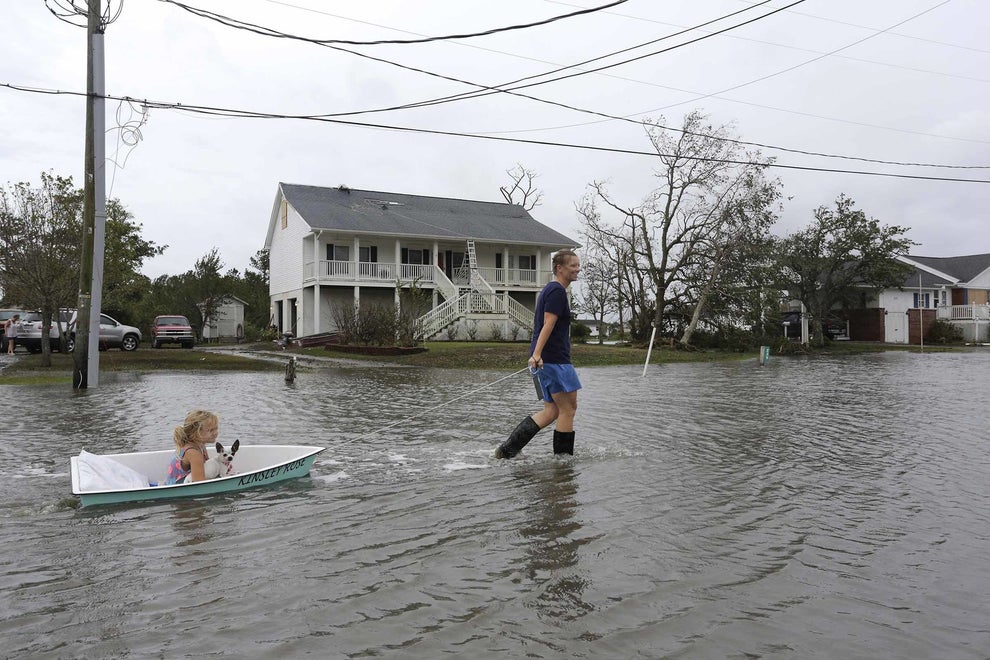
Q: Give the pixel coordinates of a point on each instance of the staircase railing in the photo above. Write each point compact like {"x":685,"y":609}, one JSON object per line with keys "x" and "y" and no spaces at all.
{"x":444,"y":314}
{"x":519,"y":313}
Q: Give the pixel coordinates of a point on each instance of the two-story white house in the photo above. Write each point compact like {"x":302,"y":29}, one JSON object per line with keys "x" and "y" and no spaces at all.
{"x":482,"y":263}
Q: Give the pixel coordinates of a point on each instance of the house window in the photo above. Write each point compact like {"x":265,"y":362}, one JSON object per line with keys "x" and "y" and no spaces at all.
{"x":943,"y":298}
{"x":338,"y":252}
{"x":527,"y":262}
{"x":368,"y":254}
{"x":415,"y":257}
{"x":925,"y":301}
{"x":285,"y":214}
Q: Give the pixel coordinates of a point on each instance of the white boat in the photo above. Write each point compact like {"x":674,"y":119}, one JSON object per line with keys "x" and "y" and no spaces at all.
{"x":134,"y":477}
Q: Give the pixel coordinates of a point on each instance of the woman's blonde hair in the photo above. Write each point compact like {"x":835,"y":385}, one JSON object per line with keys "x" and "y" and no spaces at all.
{"x":188,"y":433}
{"x":560,"y":258}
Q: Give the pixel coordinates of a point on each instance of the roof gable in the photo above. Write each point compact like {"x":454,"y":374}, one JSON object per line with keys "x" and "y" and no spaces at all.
{"x":372,"y":212}
{"x":963,"y":269}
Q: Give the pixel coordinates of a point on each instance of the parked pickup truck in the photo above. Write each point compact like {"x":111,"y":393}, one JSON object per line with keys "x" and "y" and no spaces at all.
{"x":172,"y":329}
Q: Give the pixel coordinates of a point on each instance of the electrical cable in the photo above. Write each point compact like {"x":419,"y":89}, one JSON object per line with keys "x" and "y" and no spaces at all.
{"x":245,"y":114}
{"x":487,"y":90}
{"x":260,"y":29}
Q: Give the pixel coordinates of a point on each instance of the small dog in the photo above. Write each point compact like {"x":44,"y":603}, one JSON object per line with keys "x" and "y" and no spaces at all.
{"x":221,"y":465}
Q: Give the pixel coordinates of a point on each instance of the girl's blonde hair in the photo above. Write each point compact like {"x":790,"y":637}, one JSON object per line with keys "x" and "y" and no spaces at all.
{"x":188,"y":433}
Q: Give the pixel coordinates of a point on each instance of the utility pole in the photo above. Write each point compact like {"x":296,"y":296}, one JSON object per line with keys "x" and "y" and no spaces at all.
{"x":86,"y":355}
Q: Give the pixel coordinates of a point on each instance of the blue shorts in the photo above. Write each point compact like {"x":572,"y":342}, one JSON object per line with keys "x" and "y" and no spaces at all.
{"x":558,"y":378}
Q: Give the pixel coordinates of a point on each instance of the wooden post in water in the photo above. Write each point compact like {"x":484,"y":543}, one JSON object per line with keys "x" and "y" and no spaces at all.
{"x":290,"y":370}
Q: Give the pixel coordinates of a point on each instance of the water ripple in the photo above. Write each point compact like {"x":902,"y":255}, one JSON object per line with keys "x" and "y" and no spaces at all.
{"x":813,"y":507}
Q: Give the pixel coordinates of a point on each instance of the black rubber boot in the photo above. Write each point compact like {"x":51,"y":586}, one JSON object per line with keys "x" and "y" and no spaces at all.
{"x":518,"y":439}
{"x":563,"y":442}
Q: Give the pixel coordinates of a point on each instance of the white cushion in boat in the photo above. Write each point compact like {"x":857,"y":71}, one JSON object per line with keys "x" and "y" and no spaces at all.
{"x":102,"y":473}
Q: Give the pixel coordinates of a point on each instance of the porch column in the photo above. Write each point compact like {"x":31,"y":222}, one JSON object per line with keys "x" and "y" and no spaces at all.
{"x":398,"y":261}
{"x":357,"y":258}
{"x":539,"y":268}
{"x":505,"y":265}
{"x":357,"y":299}
{"x":316,"y":287}
{"x":436,"y":260}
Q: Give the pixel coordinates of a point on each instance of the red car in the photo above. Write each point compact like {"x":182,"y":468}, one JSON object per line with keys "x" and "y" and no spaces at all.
{"x":172,"y":329}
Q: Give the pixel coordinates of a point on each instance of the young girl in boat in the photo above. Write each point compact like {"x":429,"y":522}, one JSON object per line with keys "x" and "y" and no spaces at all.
{"x":191,"y":440}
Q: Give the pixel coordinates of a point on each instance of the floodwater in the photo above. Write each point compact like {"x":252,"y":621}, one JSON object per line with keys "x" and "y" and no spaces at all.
{"x":810,"y":508}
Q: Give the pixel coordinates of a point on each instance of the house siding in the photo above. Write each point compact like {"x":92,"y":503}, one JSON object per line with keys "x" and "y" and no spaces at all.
{"x":287,"y":251}
{"x":311,"y":280}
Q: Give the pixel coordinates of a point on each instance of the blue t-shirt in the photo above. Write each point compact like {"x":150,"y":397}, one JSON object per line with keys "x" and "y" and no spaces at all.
{"x":553,"y":299}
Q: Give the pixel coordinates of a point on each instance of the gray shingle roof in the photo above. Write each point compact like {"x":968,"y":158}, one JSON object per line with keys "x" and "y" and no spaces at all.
{"x":365,"y":211}
{"x":963,"y":268}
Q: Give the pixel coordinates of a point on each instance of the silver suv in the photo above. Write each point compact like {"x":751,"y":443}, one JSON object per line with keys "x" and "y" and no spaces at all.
{"x":113,"y":334}
{"x":31,"y":327}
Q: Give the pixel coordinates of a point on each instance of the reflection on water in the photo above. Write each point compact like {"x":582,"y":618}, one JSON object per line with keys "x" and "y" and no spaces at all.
{"x":553,"y":539}
{"x":814,"y":507}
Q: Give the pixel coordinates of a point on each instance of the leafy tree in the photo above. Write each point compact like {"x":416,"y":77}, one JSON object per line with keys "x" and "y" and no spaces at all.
{"x":125,"y":252}
{"x":39,"y":244}
{"x":41,"y":238}
{"x":838,"y":256}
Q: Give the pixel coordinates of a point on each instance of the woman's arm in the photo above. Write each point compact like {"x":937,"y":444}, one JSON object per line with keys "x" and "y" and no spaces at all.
{"x":549,"y":321}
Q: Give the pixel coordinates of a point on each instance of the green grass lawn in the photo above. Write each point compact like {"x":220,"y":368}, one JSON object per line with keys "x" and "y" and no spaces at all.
{"x":442,"y":354}
{"x":513,"y":355}
{"x":28,"y":369}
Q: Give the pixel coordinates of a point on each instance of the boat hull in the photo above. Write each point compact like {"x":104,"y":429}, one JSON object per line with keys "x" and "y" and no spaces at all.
{"x":255,"y":466}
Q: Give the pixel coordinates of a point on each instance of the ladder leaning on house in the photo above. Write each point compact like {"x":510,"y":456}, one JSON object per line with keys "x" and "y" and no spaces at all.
{"x":481,"y":298}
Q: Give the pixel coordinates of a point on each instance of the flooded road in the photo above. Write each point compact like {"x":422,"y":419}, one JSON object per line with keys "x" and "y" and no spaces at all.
{"x":813,"y":507}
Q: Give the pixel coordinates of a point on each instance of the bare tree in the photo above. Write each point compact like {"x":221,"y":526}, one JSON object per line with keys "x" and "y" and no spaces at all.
{"x":523,"y":188}
{"x":689,"y":222}
{"x":748,"y":212}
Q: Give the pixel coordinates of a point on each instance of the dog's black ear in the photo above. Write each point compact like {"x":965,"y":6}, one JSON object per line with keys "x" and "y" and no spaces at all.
{"x":235,"y":446}
{"x":219,"y":448}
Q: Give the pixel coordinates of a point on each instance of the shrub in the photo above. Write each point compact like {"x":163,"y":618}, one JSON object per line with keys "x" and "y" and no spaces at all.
{"x":472,"y":329}
{"x":496,"y":331}
{"x":580,"y":332}
{"x":943,"y":332}
{"x":514,"y":332}
{"x":451,"y":332}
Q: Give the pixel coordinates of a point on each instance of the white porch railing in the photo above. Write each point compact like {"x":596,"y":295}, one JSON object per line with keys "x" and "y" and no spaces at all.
{"x":519,"y":313}
{"x":351,"y":271}
{"x":362,"y":271}
{"x":971,"y":312}
{"x":499,"y":277}
{"x":444,"y":314}
{"x":474,"y":302}
{"x":444,"y":285}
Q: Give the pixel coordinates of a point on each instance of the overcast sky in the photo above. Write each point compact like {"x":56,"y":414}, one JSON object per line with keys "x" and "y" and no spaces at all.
{"x":890,"y":80}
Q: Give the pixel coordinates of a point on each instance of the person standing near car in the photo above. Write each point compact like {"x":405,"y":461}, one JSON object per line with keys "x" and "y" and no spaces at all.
{"x":550,"y":362}
{"x":11,"y":329}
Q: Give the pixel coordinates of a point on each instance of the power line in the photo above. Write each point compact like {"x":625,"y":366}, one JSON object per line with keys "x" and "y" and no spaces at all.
{"x":763,"y":106}
{"x":243,"y":25}
{"x":248,"y":114}
{"x":488,"y":90}
{"x":501,"y":87}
